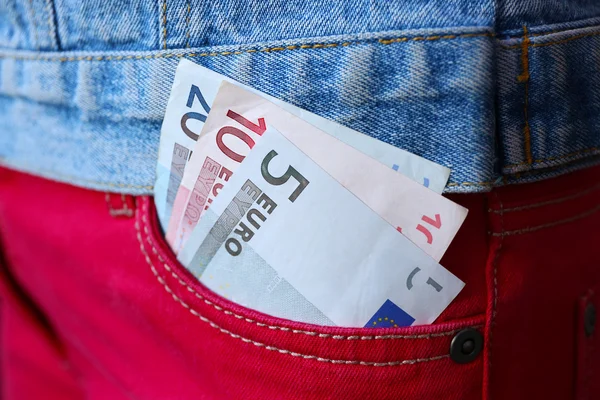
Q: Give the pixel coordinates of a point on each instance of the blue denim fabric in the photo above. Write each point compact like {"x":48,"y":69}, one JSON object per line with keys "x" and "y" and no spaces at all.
{"x":498,"y":91}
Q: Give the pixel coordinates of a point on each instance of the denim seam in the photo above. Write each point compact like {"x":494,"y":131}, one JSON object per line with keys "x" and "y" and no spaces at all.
{"x":74,"y":178}
{"x":584,"y":23}
{"x":560,"y":41}
{"x":548,"y":202}
{"x":541,"y":160}
{"x":164,"y":23}
{"x":259,"y":344}
{"x":51,"y":26}
{"x":276,"y":327}
{"x":584,"y":214}
{"x":524,"y":78}
{"x":35,"y":28}
{"x":264,"y":50}
{"x":187,"y":24}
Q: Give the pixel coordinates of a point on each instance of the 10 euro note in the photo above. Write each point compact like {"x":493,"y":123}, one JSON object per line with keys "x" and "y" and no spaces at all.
{"x":238,"y":120}
{"x":287,"y":239}
{"x":193,"y":93}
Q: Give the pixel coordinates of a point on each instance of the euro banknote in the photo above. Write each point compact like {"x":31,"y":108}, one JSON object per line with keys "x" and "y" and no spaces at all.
{"x":237,"y":121}
{"x":193,"y":92}
{"x":285,"y":238}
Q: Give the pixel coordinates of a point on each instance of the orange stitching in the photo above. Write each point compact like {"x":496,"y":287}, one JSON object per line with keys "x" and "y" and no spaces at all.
{"x":164,"y":15}
{"x":524,"y":77}
{"x":276,"y":327}
{"x":228,"y":53}
{"x":548,"y":202}
{"x":259,"y":344}
{"x":434,"y":37}
{"x":541,"y":160}
{"x":548,"y":225}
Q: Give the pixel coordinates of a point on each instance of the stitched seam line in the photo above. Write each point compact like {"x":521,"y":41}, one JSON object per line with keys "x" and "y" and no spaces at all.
{"x":453,"y":184}
{"x":51,"y":27}
{"x":566,"y":29}
{"x":549,"y":202}
{"x":524,"y":78}
{"x":34,"y":23}
{"x":565,"y":40}
{"x":164,"y":21}
{"x":541,"y":160}
{"x":118,"y":212}
{"x":259,"y":344}
{"x":229,"y":53}
{"x":282,"y":328}
{"x":495,"y":288}
{"x":554,"y":42}
{"x":548,"y":225}
{"x":187,"y":24}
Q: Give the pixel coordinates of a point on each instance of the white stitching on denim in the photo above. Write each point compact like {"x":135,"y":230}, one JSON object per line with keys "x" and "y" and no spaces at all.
{"x":282,"y":328}
{"x":259,"y":344}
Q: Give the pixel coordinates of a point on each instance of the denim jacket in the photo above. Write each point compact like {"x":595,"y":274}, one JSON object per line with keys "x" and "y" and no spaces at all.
{"x":502,"y":91}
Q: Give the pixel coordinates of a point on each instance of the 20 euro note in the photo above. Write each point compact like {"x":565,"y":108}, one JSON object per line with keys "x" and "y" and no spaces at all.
{"x":187,"y":109}
{"x":194,"y":90}
{"x":285,"y":238}
{"x":238,"y":119}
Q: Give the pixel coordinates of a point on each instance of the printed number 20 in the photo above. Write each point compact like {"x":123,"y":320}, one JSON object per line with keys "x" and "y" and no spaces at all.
{"x":194,"y":93}
{"x":291,"y":172}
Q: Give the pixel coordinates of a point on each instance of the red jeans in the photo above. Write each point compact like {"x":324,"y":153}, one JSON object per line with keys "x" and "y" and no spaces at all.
{"x":94,"y":305}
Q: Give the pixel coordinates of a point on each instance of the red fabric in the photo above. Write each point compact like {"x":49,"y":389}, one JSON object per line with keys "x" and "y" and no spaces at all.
{"x":33,"y":364}
{"x":132,"y":323}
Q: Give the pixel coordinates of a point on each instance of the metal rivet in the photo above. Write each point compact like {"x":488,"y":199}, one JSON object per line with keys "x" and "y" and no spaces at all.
{"x":589,"y":320}
{"x":466,"y":346}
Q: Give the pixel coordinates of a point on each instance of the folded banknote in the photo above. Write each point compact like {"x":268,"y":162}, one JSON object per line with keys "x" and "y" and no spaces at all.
{"x":237,"y":121}
{"x":285,"y":238}
{"x":193,"y":92}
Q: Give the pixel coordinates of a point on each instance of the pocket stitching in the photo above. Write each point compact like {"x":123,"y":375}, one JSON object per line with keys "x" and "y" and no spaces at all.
{"x":273,"y":327}
{"x":259,"y":344}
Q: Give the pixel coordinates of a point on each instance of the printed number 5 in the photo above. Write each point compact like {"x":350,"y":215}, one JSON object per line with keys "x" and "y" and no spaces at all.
{"x":291,"y":172}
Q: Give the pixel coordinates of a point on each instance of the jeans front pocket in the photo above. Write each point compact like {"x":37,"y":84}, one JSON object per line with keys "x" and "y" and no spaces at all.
{"x":249,"y":354}
{"x":134,"y":323}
